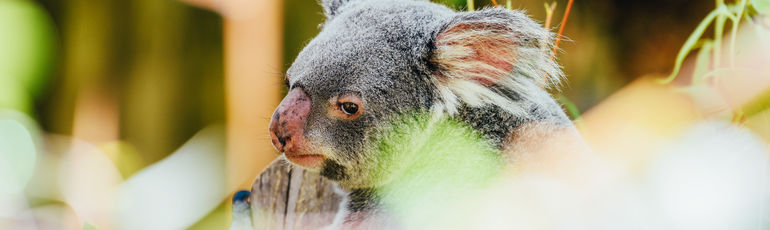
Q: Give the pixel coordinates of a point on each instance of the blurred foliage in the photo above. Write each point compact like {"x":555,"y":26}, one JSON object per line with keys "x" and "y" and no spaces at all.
{"x":428,"y":162}
{"x":716,"y":56}
{"x":719,"y":16}
{"x":455,"y":4}
{"x":219,"y":218}
{"x":125,"y":157}
{"x":88,"y":226}
{"x":161,"y":60}
{"x":17,"y":157}
{"x":762,"y":6}
{"x":759,"y":104}
{"x":26,"y":47}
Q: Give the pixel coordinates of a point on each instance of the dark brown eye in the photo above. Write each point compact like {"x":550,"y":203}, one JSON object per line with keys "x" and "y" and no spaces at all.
{"x":349,"y":108}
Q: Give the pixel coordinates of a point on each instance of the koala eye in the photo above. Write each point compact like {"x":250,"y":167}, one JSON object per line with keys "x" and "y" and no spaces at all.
{"x":349,"y":108}
{"x":346,"y":106}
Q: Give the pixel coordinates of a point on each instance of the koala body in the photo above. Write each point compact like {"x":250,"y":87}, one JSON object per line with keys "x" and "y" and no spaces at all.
{"x":375,"y":61}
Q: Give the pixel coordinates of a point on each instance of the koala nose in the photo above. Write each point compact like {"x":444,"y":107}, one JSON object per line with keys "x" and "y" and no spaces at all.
{"x":288,"y":123}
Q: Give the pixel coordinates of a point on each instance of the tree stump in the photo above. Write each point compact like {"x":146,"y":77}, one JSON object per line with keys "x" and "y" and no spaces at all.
{"x":288,"y":197}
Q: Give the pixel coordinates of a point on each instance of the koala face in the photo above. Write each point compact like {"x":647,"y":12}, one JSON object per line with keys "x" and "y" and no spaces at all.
{"x":375,"y":60}
{"x":367,"y":65}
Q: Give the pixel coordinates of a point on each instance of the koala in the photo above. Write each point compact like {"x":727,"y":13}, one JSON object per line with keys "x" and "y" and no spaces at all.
{"x":375,"y":60}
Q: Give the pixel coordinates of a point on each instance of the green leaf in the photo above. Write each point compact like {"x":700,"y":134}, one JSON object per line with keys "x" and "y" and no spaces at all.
{"x":758,"y":104}
{"x":762,"y":6}
{"x":26,"y":46}
{"x":702,"y":62}
{"x":692,"y":41}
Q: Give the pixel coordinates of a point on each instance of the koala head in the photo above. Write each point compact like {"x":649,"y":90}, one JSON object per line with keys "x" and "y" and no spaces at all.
{"x":377,"y":59}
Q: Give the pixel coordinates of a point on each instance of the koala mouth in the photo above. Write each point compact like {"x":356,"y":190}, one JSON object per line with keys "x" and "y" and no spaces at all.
{"x":311,"y":161}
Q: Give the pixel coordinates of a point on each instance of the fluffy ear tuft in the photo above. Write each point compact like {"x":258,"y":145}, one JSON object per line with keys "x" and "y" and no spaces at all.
{"x":482,"y":52}
{"x":489,"y":47}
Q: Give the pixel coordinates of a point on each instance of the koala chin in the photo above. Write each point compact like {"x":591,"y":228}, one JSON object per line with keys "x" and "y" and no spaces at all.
{"x":376,"y":61}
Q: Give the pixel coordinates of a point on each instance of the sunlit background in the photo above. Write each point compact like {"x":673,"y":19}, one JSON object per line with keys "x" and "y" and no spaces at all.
{"x":149,"y":114}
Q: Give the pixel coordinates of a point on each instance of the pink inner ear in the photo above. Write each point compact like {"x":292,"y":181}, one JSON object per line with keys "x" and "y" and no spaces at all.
{"x":491,"y":46}
{"x":500,"y":61}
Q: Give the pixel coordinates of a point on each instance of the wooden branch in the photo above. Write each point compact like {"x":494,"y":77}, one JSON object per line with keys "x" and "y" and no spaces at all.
{"x":288,"y":197}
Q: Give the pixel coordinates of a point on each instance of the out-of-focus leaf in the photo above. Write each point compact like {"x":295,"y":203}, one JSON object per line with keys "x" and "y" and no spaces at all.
{"x":88,"y":226}
{"x":217,"y":219}
{"x":17,"y":156}
{"x":572,"y":109}
{"x":712,"y":177}
{"x":88,"y":181}
{"x":762,"y":6}
{"x":26,"y":44}
{"x":759,"y":104}
{"x":12,"y":96}
{"x":708,"y":99}
{"x":179,"y":190}
{"x":702,"y":62}
{"x":759,"y":124}
{"x":692,"y":41}
{"x":428,"y":164}
{"x":125,"y":157}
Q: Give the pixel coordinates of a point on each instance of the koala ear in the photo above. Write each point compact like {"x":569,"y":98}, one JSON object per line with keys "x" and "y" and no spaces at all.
{"x":331,"y":7}
{"x":486,"y":46}
{"x":492,"y":47}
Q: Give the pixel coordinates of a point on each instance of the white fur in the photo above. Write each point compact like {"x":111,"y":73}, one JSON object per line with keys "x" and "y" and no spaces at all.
{"x":462,"y":72}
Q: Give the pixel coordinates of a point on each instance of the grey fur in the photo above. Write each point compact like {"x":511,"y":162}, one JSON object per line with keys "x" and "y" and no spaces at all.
{"x":332,"y":7}
{"x":383,"y":51}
